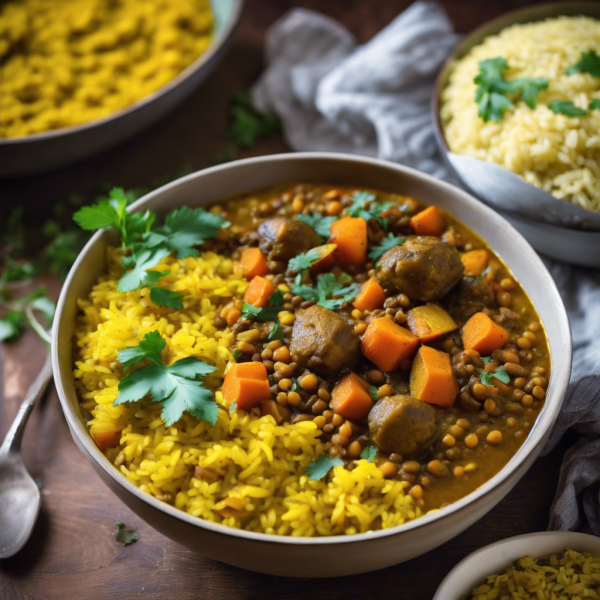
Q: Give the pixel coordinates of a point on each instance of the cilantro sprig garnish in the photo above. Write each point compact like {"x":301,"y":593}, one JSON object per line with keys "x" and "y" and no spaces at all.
{"x":163,"y":297}
{"x":330,"y":292}
{"x":305,"y":260}
{"x":566,"y":107}
{"x":317,"y":469}
{"x":178,"y":387}
{"x":588,"y":63}
{"x":321,"y":224}
{"x":126,"y":536}
{"x":373,"y":390}
{"x":369,"y":453}
{"x":486,"y":376}
{"x":366,"y":207}
{"x":183,"y":230}
{"x":492,"y":95}
{"x":268,"y":313}
{"x":387,"y":243}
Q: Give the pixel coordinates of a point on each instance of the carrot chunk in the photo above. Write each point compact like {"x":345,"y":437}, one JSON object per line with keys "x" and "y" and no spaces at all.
{"x":326,"y":261}
{"x":350,"y":235}
{"x":429,"y":322}
{"x":432,"y":379}
{"x":428,"y":222}
{"x":253,"y":263}
{"x":105,"y":438}
{"x":475,"y":262}
{"x":350,"y":398}
{"x":482,"y":334}
{"x":387,"y":344}
{"x":371,"y":296}
{"x":259,"y":291}
{"x":246,"y":384}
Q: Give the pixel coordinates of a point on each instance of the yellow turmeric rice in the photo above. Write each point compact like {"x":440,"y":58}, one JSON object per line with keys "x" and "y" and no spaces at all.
{"x":71,"y":61}
{"x":261,"y":484}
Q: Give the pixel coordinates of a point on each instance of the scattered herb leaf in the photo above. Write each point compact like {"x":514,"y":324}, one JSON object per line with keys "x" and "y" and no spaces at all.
{"x":318,"y":468}
{"x":588,"y":63}
{"x":12,"y":324}
{"x":141,"y":260}
{"x":179,"y":387}
{"x":366,"y":207}
{"x":387,"y":243}
{"x":321,"y":224}
{"x":304,"y":261}
{"x":276,"y":298}
{"x":268,"y":313}
{"x":369,"y":453}
{"x":294,"y":385}
{"x":374,"y":391}
{"x":277,"y":332}
{"x":594,"y":104}
{"x":500,"y":374}
{"x":249,"y":124}
{"x":162,"y":297}
{"x":327,"y":287}
{"x":566,"y":107}
{"x":126,"y":536}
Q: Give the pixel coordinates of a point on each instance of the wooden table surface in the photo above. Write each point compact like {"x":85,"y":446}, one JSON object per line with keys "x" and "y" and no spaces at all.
{"x":73,"y":553}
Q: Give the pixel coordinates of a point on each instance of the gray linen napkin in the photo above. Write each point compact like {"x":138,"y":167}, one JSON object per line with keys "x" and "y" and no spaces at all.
{"x":334,"y":95}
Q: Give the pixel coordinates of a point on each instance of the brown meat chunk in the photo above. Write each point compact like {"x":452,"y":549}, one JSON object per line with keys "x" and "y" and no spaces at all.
{"x":471,"y":296}
{"x":282,"y":238}
{"x":324,"y":342}
{"x":422,"y":268}
{"x":402,"y":424}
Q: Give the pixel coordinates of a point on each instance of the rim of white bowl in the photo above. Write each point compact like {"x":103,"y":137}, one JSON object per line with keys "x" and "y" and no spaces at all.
{"x":213,"y":48}
{"x":536,"y":436}
{"x":464,"y":576}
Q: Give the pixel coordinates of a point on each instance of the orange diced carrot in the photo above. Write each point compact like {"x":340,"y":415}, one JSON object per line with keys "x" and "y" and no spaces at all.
{"x":432,"y":379}
{"x":387,"y":344}
{"x":482,"y":334}
{"x":350,"y":235}
{"x":259,"y":291}
{"x":371,"y":296}
{"x":246,"y":384}
{"x":253,"y":263}
{"x":350,"y":398}
{"x":475,"y":262}
{"x":429,"y":322}
{"x":106,"y":438}
{"x":327,"y":260}
{"x":428,"y":222}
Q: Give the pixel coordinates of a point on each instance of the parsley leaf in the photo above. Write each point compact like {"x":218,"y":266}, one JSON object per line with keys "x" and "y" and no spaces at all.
{"x":249,"y":124}
{"x":369,"y":453}
{"x":141,"y":260}
{"x":305,"y":260}
{"x":184,"y":229}
{"x":594,"y":104}
{"x":277,"y":332}
{"x":373,"y":391}
{"x":268,"y":313}
{"x":318,"y":468}
{"x":566,"y":107}
{"x":321,"y":224}
{"x":328,"y":286}
{"x":493,"y":91}
{"x":366,"y":207}
{"x":276,"y":298}
{"x":486,"y":377}
{"x":11,"y":324}
{"x":588,"y":63}
{"x":387,"y":243}
{"x":126,"y":536}
{"x":178,"y":386}
{"x":162,"y":297}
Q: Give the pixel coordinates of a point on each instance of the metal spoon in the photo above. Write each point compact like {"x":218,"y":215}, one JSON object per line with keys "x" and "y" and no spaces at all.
{"x":19,"y":494}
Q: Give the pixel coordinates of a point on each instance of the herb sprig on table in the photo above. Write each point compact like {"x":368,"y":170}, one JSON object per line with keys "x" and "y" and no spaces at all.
{"x":126,"y":536}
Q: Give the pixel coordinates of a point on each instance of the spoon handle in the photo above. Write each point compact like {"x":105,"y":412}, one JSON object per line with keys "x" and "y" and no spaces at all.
{"x":12,"y":441}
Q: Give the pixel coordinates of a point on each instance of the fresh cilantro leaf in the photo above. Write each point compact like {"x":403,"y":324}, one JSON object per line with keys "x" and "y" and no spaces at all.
{"x":369,"y":453}
{"x":11,"y":324}
{"x":304,"y":291}
{"x":387,"y":243}
{"x":97,"y":216}
{"x":327,"y":287}
{"x":493,"y":91}
{"x":304,"y":261}
{"x":486,"y":360}
{"x":128,"y":536}
{"x":374,"y":391}
{"x":500,"y":374}
{"x":232,"y":407}
{"x":594,"y":104}
{"x":276,"y":298}
{"x":277,"y":331}
{"x":318,"y":468}
{"x":321,"y":224}
{"x":162,"y":297}
{"x":60,"y":254}
{"x":366,"y":207}
{"x":294,"y":385}
{"x":588,"y":63}
{"x":249,"y":124}
{"x":178,"y":386}
{"x":18,"y":272}
{"x":260,"y":314}
{"x":141,"y":260}
{"x":184,"y":229}
{"x":566,"y":107}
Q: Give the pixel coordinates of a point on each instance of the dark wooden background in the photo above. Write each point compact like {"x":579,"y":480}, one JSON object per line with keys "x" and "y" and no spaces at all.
{"x":73,"y":553}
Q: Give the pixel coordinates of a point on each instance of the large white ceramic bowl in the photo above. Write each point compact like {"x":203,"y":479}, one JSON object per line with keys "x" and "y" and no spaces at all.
{"x":52,"y":149}
{"x":312,"y":557}
{"x":472,"y":571}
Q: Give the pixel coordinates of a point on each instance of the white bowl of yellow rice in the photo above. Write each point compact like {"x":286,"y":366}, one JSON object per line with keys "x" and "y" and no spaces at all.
{"x":306,"y":549}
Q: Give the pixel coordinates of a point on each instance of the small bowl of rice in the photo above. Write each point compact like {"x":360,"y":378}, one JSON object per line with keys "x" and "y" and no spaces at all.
{"x":561,"y":565}
{"x":544,"y":132}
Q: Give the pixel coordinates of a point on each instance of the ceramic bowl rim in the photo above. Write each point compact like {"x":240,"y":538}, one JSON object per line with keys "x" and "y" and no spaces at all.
{"x":213,"y":48}
{"x":536,"y":436}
